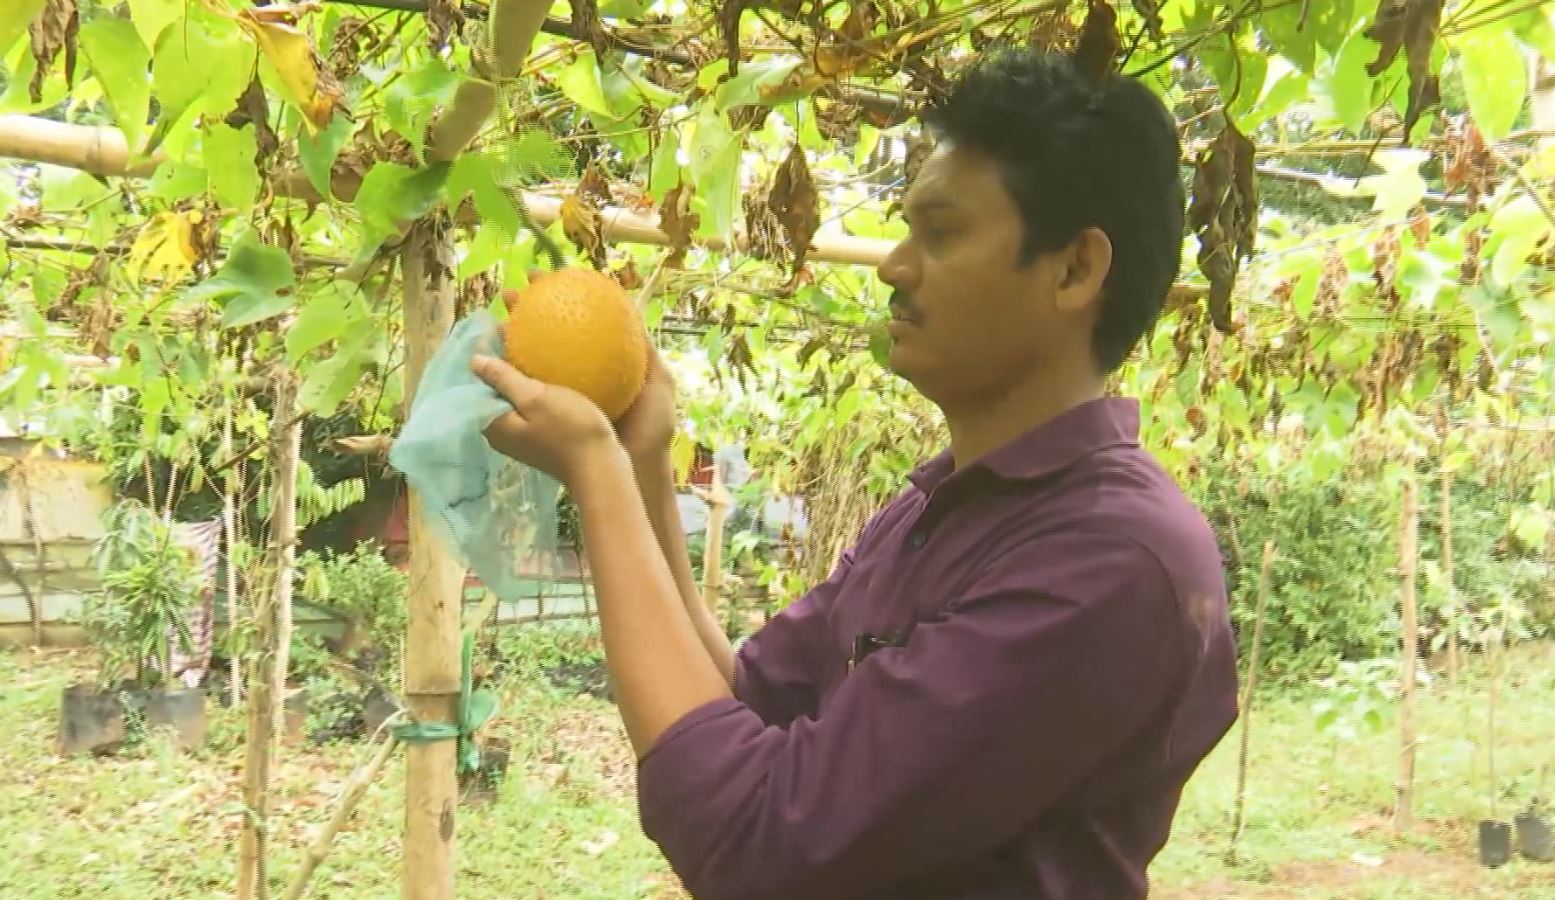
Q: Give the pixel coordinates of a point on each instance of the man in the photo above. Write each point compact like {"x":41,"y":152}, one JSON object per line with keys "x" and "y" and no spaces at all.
{"x":1002,"y":687}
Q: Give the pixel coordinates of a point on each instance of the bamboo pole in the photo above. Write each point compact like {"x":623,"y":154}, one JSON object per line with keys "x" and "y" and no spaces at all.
{"x":268,"y":659}
{"x":1403,"y":812}
{"x":1265,"y":578}
{"x":432,"y":637}
{"x":352,"y":795}
{"x":102,"y":151}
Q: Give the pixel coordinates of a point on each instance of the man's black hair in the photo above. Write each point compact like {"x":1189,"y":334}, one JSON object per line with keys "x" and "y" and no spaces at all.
{"x":1075,"y":155}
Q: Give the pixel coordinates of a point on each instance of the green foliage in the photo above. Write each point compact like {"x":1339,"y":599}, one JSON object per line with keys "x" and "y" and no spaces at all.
{"x":364,"y":589}
{"x":149,"y":583}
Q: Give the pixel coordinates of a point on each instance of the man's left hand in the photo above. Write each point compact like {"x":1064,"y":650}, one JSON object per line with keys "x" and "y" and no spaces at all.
{"x":552,"y":428}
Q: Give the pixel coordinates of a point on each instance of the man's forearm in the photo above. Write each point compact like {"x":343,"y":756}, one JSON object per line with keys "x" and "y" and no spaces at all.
{"x":657,"y":668}
{"x":656,"y":481}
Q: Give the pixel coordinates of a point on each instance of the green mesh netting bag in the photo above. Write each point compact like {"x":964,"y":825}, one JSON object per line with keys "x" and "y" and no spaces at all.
{"x":493,"y":511}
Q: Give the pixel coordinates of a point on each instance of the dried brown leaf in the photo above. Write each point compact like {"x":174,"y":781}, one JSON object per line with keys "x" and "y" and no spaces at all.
{"x":1224,"y":215}
{"x":52,"y":31}
{"x":581,"y":222}
{"x":678,"y":221}
{"x":254,"y":109}
{"x":1412,"y":26}
{"x":793,"y":199}
{"x":1097,"y":51}
{"x":444,"y":21}
{"x":594,"y":185}
{"x":1150,"y":11}
{"x":763,"y":231}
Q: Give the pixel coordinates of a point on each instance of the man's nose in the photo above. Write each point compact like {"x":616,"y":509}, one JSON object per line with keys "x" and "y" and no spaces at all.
{"x":897,"y":269}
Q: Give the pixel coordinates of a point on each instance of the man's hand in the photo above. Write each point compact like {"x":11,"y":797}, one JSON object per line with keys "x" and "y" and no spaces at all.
{"x":648,"y":426}
{"x":554,"y":429}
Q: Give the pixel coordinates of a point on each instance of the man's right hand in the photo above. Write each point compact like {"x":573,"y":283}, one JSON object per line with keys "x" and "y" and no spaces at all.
{"x":648,"y":426}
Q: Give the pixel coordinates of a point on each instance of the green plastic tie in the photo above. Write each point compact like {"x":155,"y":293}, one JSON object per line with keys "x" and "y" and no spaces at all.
{"x":475,"y":709}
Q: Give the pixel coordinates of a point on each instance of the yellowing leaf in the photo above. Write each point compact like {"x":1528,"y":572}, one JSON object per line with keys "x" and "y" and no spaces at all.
{"x":164,"y":248}
{"x":290,"y":51}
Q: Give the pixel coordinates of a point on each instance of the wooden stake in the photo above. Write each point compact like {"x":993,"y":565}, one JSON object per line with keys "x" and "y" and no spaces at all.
{"x":267,"y":673}
{"x":1454,"y":613}
{"x":229,"y":530}
{"x":718,"y":503}
{"x":432,"y":638}
{"x":1265,"y":577}
{"x":352,"y":795}
{"x":1403,"y":812}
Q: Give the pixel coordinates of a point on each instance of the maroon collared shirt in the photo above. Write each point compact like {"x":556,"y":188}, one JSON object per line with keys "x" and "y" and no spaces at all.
{"x":1052,"y":659}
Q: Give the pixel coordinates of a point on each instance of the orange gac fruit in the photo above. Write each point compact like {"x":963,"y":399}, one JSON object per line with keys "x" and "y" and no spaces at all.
{"x":577,"y":328}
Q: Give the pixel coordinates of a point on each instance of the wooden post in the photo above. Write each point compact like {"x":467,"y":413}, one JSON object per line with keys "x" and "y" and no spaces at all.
{"x":1403,"y":812}
{"x":1454,"y":614}
{"x":1265,"y":577}
{"x":267,"y":672}
{"x":432,"y":637}
{"x":718,"y":503}
{"x":229,"y":530}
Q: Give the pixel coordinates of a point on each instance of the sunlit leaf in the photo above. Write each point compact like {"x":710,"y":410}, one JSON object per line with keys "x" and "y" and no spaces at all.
{"x":120,"y":61}
{"x":319,"y":149}
{"x":229,"y":163}
{"x":163,"y":250}
{"x":1495,"y":79}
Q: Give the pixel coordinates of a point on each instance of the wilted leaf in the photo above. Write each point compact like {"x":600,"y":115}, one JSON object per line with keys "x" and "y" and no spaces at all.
{"x":678,"y":221}
{"x":120,"y":62}
{"x":1412,"y":25}
{"x":1150,"y":11}
{"x":794,"y":201}
{"x":851,"y":50}
{"x":53,"y":31}
{"x":290,"y":51}
{"x":581,"y":222}
{"x":1224,"y":215}
{"x":1096,"y":53}
{"x":164,"y":249}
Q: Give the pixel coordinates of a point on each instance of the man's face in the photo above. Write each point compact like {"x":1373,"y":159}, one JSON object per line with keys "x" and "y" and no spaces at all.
{"x":969,"y":321}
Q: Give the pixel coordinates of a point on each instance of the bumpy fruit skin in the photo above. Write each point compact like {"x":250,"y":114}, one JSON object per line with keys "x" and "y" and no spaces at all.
{"x":578,"y":328}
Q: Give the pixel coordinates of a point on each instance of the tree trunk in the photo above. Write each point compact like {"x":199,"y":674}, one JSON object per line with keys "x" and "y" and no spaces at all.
{"x":1403,"y":812}
{"x":267,"y":673}
{"x":432,"y":637}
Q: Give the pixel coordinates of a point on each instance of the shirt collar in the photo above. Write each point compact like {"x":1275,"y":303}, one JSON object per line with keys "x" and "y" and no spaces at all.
{"x":1049,"y":448}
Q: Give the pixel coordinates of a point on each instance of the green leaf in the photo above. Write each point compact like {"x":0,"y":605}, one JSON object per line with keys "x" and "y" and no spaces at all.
{"x":151,"y":18}
{"x":15,"y":16}
{"x":229,"y":162}
{"x":1400,"y":186}
{"x":665,"y":172}
{"x":580,"y":81}
{"x":1512,"y":234}
{"x":1287,"y":88}
{"x":411,"y":101}
{"x":319,"y":150}
{"x":477,"y":175}
{"x":392,"y":194}
{"x":484,"y":252}
{"x":323,"y":318}
{"x":744,"y":89}
{"x":1347,"y":84}
{"x":249,"y":284}
{"x":174,"y":181}
{"x":328,"y":383}
{"x":715,"y":171}
{"x":534,"y":154}
{"x":120,"y":61}
{"x":203,"y":64}
{"x":1495,"y":79}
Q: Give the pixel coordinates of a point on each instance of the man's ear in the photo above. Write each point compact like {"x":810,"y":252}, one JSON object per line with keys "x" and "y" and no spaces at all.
{"x":1086,"y":262}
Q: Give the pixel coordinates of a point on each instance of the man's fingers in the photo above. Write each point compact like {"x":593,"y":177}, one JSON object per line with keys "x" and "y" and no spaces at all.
{"x":514,"y":386}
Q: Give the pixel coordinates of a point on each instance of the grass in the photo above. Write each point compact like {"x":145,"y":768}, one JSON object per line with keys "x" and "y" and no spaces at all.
{"x":155,"y":822}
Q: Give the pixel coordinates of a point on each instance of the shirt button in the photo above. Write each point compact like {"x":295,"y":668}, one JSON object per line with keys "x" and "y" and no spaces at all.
{"x":917,"y":539}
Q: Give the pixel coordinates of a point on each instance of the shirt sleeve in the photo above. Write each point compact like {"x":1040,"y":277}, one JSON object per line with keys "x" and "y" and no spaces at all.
{"x":930,"y":754}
